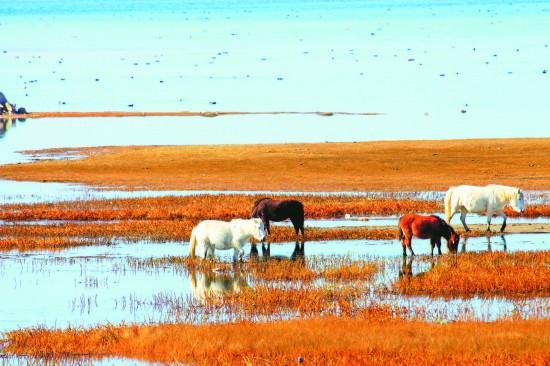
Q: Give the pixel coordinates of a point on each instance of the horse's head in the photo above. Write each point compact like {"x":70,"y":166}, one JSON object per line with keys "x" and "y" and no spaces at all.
{"x":259,"y":229}
{"x":452,"y":243}
{"x":518,"y":203}
{"x":255,"y":206}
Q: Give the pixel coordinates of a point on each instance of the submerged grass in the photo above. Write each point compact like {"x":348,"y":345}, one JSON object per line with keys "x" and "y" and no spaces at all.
{"x":312,"y":268}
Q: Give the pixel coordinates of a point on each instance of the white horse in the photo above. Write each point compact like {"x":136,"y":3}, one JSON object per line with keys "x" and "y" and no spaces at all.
{"x":490,"y":199}
{"x":214,"y":234}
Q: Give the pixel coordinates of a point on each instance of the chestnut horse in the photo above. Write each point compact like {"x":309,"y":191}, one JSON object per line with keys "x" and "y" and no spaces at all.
{"x":268,"y":209}
{"x":426,"y":227}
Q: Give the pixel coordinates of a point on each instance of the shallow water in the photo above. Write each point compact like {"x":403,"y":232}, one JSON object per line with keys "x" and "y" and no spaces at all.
{"x":14,"y":192}
{"x":94,"y":285}
{"x":35,"y":192}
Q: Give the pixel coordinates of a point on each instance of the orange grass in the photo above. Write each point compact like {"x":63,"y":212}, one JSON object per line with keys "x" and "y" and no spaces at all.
{"x":223,"y":207}
{"x":363,"y":166}
{"x":31,"y":243}
{"x":515,"y":275}
{"x":195,"y":208}
{"x":369,"y":339}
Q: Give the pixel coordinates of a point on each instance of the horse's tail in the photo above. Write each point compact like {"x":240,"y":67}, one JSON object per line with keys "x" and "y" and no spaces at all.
{"x":448,"y":198}
{"x":399,"y":232}
{"x":192,"y":244}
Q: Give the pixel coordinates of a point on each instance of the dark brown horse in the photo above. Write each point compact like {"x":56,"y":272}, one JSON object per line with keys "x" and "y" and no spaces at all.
{"x":268,"y":209}
{"x":426,"y":227}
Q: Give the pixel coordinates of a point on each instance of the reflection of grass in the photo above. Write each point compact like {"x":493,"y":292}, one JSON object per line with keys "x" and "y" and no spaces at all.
{"x":312,"y":268}
{"x":519,"y":274}
{"x":371,"y":338}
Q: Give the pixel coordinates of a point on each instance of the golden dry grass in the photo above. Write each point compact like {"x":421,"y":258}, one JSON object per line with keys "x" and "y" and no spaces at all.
{"x":372,"y":338}
{"x":202,"y":207}
{"x":365,"y":166}
{"x":519,"y":274}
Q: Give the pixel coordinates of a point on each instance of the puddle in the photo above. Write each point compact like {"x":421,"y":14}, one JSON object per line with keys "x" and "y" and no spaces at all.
{"x":93,"y":285}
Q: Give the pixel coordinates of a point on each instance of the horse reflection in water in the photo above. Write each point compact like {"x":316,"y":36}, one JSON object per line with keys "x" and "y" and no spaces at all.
{"x":406,"y":272}
{"x":212,"y":286}
{"x":297,"y":255}
{"x":489,"y":244}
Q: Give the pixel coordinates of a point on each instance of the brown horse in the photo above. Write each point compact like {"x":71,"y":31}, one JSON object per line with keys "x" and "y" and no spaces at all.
{"x":426,"y":227}
{"x":268,"y":209}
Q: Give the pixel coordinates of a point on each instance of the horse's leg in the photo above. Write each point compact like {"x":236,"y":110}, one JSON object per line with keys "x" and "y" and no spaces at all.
{"x":404,"y":244}
{"x":296,"y":224}
{"x":501,"y":213}
{"x":235,"y":254}
{"x":254,"y":251}
{"x":489,"y":217}
{"x":409,"y":244}
{"x":432,"y":244}
{"x":438,"y":242}
{"x":463,"y":213}
{"x":205,"y":246}
{"x":266,"y":250}
{"x":266,"y":224}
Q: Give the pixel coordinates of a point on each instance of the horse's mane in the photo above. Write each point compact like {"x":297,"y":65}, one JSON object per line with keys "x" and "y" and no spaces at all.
{"x":444,"y":224}
{"x":260,"y":200}
{"x":505,"y":192}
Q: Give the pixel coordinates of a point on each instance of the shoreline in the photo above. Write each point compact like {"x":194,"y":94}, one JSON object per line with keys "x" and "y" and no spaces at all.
{"x":37,"y":115}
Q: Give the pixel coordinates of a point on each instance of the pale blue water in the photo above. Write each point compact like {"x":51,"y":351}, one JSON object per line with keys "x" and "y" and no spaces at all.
{"x":421,"y":63}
